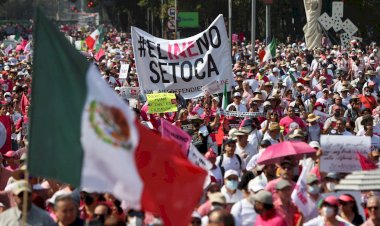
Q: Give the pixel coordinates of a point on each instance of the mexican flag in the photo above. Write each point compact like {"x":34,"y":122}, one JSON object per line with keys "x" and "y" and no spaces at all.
{"x":95,"y":39}
{"x":83,"y":134}
{"x":269,"y":52}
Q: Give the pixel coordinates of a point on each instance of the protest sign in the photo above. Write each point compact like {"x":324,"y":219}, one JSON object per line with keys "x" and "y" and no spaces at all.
{"x":129,"y":92}
{"x":339,"y":152}
{"x":161,"y":102}
{"x":176,"y":134}
{"x":183,"y":65}
{"x":241,"y":114}
{"x":323,"y":116}
{"x":198,"y":159}
{"x":211,"y":88}
{"x":124,"y":71}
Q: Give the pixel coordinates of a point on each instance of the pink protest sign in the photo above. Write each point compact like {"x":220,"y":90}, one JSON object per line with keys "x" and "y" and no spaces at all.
{"x":176,"y":134}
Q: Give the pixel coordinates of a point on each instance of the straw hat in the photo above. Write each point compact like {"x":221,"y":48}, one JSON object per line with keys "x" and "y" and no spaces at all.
{"x":312,"y":118}
{"x":258,"y":97}
{"x":274,"y":126}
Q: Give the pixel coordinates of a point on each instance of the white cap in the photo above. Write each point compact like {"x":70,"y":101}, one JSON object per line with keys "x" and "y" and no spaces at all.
{"x":275,"y":69}
{"x":315,"y":144}
{"x":216,"y":99}
{"x":237,"y":94}
{"x":266,"y":103}
{"x":231,"y":172}
{"x":254,"y":186}
{"x":57,"y":194}
{"x":117,"y":88}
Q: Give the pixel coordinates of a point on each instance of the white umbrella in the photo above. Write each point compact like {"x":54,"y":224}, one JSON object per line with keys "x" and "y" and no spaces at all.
{"x":360,"y":181}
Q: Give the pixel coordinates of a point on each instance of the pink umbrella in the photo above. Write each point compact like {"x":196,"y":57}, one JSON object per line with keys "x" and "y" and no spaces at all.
{"x":277,"y":152}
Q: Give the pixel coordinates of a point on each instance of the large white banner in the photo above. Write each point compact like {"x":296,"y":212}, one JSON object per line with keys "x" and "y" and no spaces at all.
{"x":183,"y":65}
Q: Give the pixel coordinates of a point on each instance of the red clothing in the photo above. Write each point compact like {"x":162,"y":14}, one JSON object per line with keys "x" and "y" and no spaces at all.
{"x":6,"y":85}
{"x":271,"y":187}
{"x":368,"y":101}
{"x":286,"y":121}
{"x":270,"y":218}
{"x":289,"y":213}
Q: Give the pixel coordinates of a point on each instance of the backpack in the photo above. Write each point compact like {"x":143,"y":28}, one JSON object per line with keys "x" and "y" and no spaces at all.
{"x":221,"y":161}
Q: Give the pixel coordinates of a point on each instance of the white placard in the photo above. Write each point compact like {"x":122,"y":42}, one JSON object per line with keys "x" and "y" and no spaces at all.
{"x":349,"y":27}
{"x":337,"y":9}
{"x":78,"y":45}
{"x":345,"y":40}
{"x":339,"y":152}
{"x":124,"y":71}
{"x":212,"y":87}
{"x":129,"y":92}
{"x":183,"y":65}
{"x":337,"y":23}
{"x":326,"y":21}
{"x":198,"y":159}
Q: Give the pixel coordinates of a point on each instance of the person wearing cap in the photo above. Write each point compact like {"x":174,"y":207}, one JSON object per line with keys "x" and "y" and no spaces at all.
{"x":324,"y":98}
{"x":35,"y":215}
{"x":367,"y":99}
{"x":284,"y":205}
{"x":273,"y":76}
{"x":230,"y":189}
{"x":243,"y":148}
{"x":373,"y":207}
{"x":196,"y":219}
{"x":219,"y":217}
{"x":6,"y":83}
{"x":330,"y":181}
{"x":345,"y":98}
{"x":263,"y":205}
{"x":242,"y":210}
{"x":218,"y":202}
{"x":215,"y":170}
{"x":229,"y":160}
{"x":349,"y":209}
{"x":313,"y":196}
{"x":314,"y":129}
{"x":10,"y":157}
{"x":274,"y":133}
{"x":239,"y":106}
{"x":329,"y":209}
{"x":285,"y":170}
{"x":337,"y":102}
{"x":365,"y":118}
{"x":206,"y":207}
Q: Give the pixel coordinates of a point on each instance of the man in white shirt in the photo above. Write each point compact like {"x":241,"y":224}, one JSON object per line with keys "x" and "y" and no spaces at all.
{"x":229,"y":190}
{"x":243,"y":148}
{"x":237,"y":103}
{"x":230,"y":160}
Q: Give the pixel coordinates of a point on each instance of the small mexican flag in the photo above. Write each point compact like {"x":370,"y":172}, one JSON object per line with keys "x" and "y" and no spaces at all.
{"x":95,"y":39}
{"x":83,"y":134}
{"x":269,"y":52}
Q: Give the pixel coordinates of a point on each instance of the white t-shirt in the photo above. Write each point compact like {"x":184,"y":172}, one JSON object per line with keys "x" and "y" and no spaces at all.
{"x":217,"y":174}
{"x":232,"y":198}
{"x":241,"y":107}
{"x":243,"y":213}
{"x":231,"y":163}
{"x":249,"y":149}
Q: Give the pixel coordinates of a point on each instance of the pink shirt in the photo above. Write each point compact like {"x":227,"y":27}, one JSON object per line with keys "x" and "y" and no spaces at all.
{"x":270,"y":218}
{"x":286,"y":121}
{"x":271,"y":187}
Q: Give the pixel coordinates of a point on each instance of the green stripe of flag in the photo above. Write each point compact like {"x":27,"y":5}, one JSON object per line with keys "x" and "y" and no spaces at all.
{"x":58,"y":97}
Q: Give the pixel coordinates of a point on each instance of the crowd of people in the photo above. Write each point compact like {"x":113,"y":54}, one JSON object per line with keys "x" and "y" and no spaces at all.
{"x":300,"y":94}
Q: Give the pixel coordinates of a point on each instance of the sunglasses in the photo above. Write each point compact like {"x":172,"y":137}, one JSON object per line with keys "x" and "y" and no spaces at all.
{"x":343,"y":203}
{"x":370,"y":208}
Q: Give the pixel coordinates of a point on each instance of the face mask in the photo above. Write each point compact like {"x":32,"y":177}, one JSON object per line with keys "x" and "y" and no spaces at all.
{"x":232,"y":184}
{"x":88,"y":200}
{"x":367,"y":93}
{"x":328,"y":211}
{"x":330,"y":186}
{"x":314,"y":190}
{"x":8,"y":99}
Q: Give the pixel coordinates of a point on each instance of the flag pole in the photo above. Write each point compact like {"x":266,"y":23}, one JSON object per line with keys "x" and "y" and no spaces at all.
{"x":253,"y":28}
{"x":25,"y":200}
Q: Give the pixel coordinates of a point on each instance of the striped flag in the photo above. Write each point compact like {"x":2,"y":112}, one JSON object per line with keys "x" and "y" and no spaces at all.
{"x":95,"y":140}
{"x":269,"y":52}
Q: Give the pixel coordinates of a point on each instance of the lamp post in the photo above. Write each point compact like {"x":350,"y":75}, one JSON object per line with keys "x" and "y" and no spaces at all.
{"x":267,"y":20}
{"x":253,"y":28}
